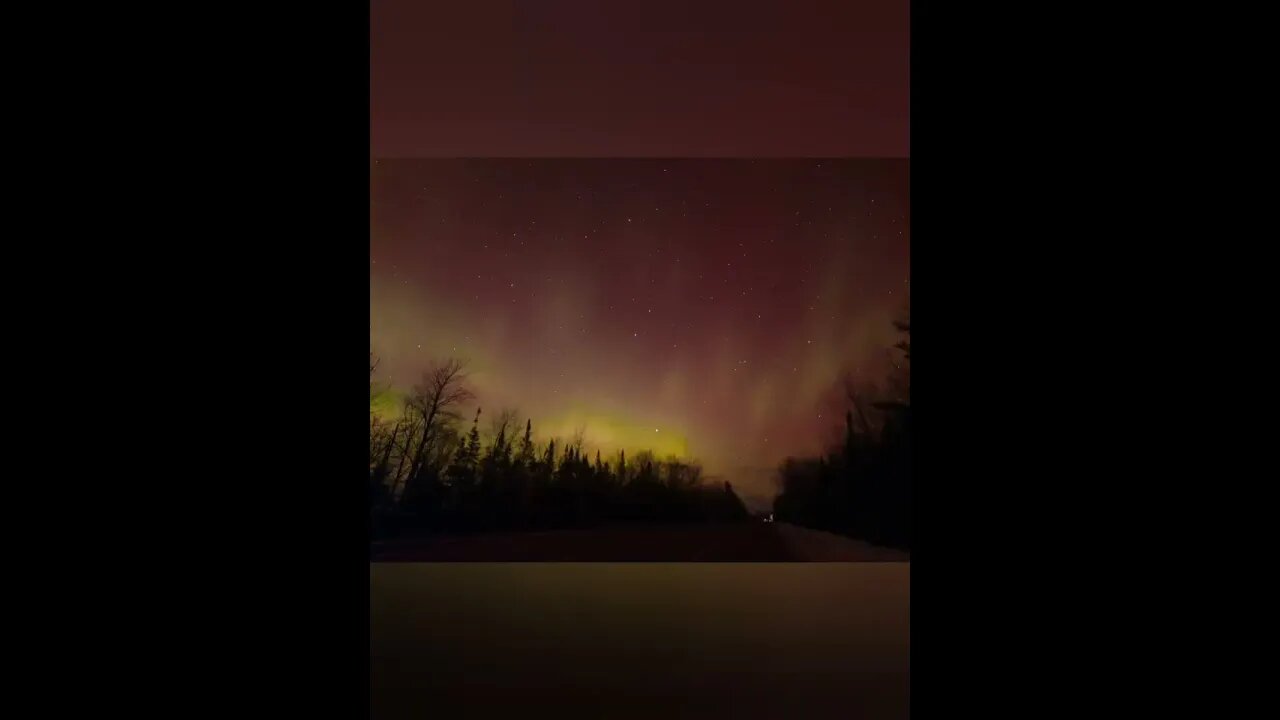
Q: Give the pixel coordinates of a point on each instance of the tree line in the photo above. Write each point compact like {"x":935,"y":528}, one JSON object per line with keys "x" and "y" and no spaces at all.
{"x":427,"y":475}
{"x":862,"y":486}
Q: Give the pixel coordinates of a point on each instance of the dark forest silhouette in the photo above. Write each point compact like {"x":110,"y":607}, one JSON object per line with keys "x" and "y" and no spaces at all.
{"x":427,"y":475}
{"x":429,"y":470}
{"x":862,"y":486}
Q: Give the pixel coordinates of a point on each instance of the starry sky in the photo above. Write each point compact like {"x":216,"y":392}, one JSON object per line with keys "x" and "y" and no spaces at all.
{"x":699,"y":307}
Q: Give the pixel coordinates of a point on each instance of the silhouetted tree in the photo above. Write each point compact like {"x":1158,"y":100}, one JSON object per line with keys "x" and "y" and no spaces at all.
{"x":525,"y":457}
{"x":435,"y":401}
{"x":463,"y":471}
{"x":382,"y":458}
{"x":864,"y":489}
{"x":500,"y":451}
{"x":550,"y":458}
{"x":445,"y":480}
{"x":403,"y":450}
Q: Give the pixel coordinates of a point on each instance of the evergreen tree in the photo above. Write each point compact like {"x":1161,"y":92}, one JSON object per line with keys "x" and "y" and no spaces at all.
{"x":498,"y":462}
{"x":526,"y":445}
{"x":499,"y":447}
{"x":473,"y":440}
{"x":565,"y":466}
{"x":463,"y":470}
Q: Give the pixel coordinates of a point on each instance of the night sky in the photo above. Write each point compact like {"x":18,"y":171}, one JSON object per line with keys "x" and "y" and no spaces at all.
{"x":697,"y":307}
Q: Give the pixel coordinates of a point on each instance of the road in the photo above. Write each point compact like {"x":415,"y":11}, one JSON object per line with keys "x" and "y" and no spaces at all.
{"x":745,"y":542}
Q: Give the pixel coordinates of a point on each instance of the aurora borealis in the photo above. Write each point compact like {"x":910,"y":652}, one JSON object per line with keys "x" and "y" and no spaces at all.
{"x":698,"y":307}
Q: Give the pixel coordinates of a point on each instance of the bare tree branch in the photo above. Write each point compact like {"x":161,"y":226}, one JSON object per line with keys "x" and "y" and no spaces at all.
{"x":435,"y":400}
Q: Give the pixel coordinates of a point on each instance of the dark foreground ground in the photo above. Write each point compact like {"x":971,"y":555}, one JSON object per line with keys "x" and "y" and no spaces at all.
{"x":744,"y":542}
{"x":640,"y":640}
